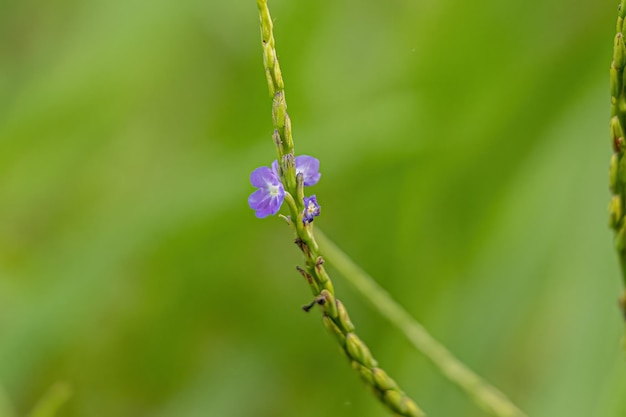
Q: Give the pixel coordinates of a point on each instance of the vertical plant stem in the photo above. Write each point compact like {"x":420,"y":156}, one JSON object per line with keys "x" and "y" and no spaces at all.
{"x":334,"y":314}
{"x":485,"y":395}
{"x":617,"y":170}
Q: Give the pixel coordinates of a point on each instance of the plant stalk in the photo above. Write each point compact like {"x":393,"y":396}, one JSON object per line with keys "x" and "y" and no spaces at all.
{"x":334,"y":314}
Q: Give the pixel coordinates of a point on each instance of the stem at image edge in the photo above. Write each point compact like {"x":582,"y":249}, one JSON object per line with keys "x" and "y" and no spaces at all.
{"x":617,"y":165}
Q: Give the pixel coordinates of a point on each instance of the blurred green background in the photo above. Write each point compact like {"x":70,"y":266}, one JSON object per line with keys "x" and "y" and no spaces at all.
{"x":464,"y":150}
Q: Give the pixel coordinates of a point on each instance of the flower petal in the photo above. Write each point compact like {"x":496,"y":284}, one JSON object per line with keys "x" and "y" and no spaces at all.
{"x":311,"y":209}
{"x":264,"y":203}
{"x":309,"y":167}
{"x":274,"y":204}
{"x":262,"y":177}
{"x":275,"y":168}
{"x":258,"y":199}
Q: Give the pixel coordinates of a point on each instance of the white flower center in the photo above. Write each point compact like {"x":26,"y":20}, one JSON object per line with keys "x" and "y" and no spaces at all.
{"x":273,"y":189}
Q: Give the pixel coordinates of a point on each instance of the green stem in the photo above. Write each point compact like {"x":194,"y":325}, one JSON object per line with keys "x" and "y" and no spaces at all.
{"x":485,"y":395}
{"x":334,"y":314}
{"x":617,"y":167}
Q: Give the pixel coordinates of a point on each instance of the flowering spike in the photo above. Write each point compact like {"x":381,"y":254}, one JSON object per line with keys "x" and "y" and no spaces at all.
{"x":293,"y":175}
{"x":617,"y":170}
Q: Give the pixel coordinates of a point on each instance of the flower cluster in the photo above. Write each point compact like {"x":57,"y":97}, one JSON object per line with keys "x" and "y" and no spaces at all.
{"x":270,"y":195}
{"x":311,"y":209}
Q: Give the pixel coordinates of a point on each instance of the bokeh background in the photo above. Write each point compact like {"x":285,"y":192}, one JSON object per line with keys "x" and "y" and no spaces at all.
{"x":464,"y":150}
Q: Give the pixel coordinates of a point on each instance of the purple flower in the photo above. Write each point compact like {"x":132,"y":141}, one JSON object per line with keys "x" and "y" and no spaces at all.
{"x":306,"y":165}
{"x":310,"y":169}
{"x":311,"y":209}
{"x":270,"y":194}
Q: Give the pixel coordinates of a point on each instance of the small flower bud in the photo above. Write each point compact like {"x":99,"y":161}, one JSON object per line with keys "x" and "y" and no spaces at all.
{"x":270,"y":82}
{"x":383,"y":381}
{"x":615,"y":83}
{"x":344,"y":319}
{"x":615,"y":211}
{"x":266,"y":28}
{"x":334,"y":330}
{"x":288,"y":134}
{"x":289,"y":163}
{"x":278,"y":76}
{"x":278,"y":142}
{"x":621,"y":171}
{"x":358,"y":351}
{"x":279,"y":110}
{"x":614,"y":100}
{"x":619,"y":52}
{"x":269,"y":56}
{"x":322,"y":275}
{"x":300,"y":186}
{"x":412,"y":409}
{"x":394,"y":399}
{"x":617,"y":134}
{"x":402,"y":404}
{"x":613,"y":170}
{"x":365,"y":374}
{"x":289,"y":170}
{"x":330,"y":305}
